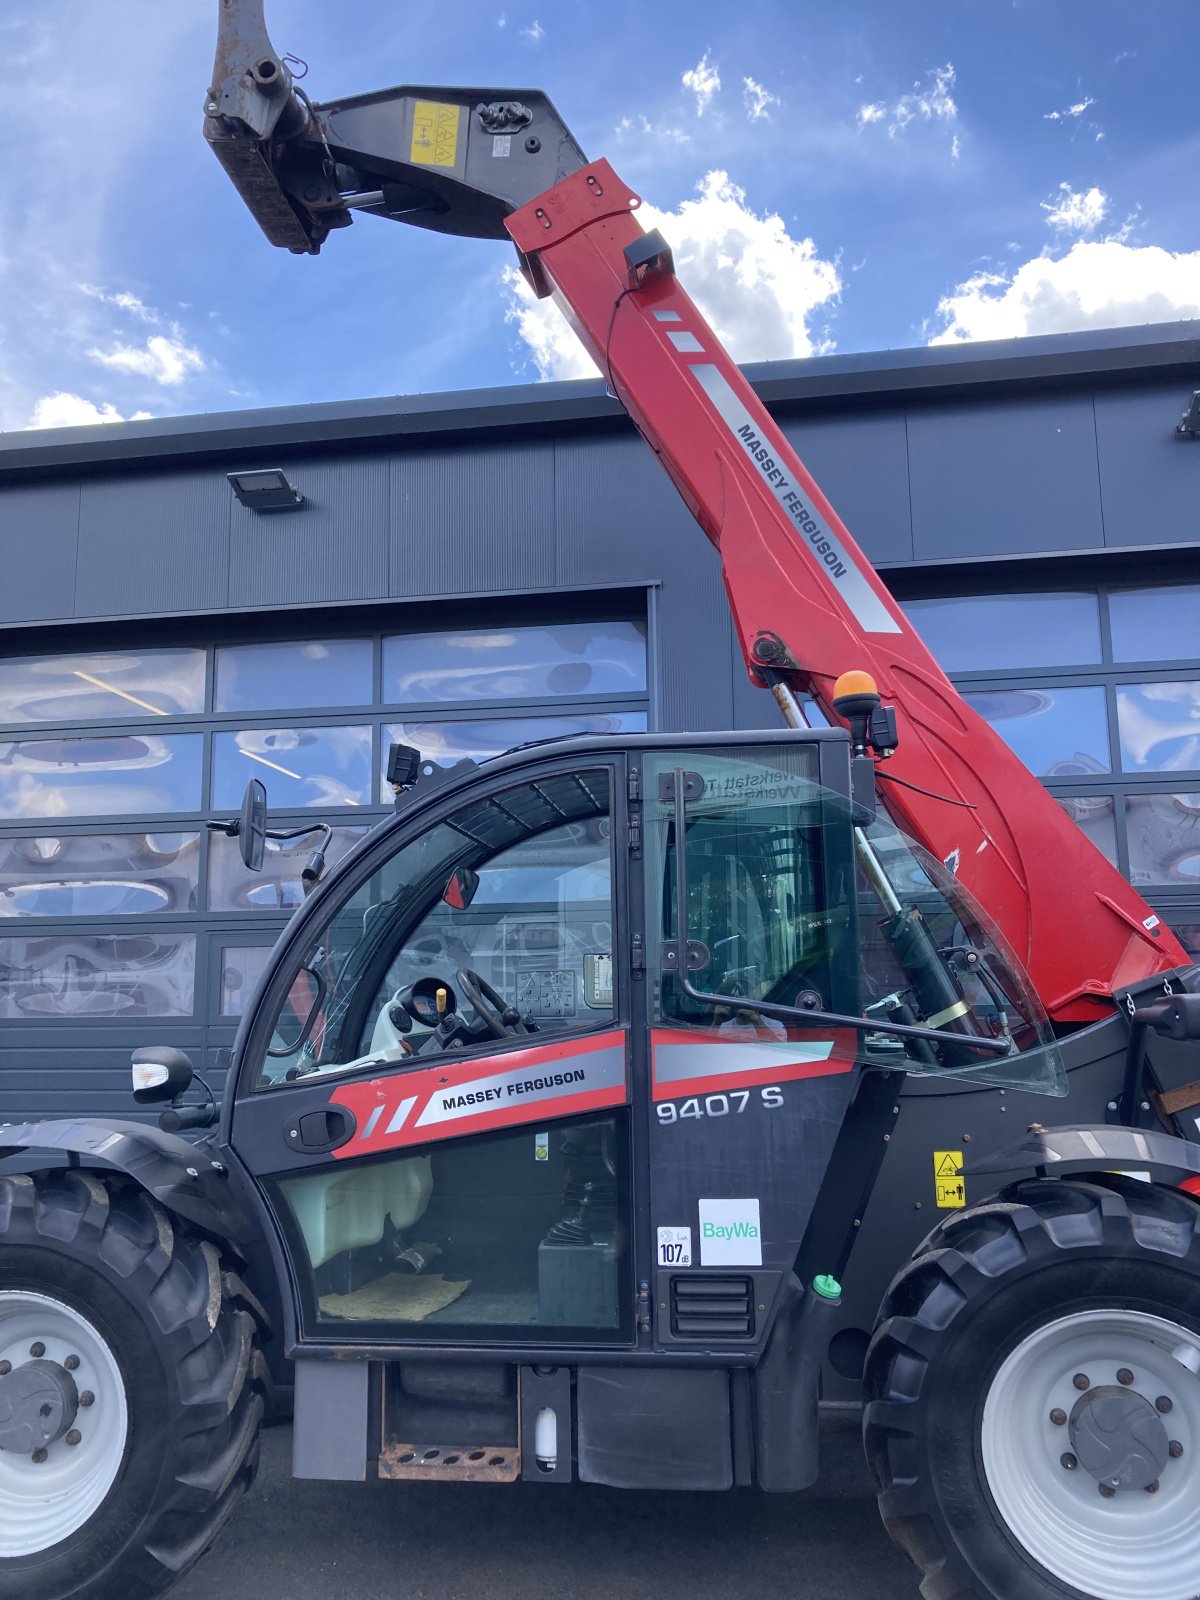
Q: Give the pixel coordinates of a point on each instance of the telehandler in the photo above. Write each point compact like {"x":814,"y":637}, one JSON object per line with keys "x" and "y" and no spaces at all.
{"x":553,"y":1123}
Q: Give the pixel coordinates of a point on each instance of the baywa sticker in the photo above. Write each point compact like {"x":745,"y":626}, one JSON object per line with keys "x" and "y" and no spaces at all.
{"x":730,"y":1233}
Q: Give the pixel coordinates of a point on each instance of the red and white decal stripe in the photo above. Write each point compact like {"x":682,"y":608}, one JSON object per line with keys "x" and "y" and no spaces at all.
{"x":686,"y":1063}
{"x":534,"y":1085}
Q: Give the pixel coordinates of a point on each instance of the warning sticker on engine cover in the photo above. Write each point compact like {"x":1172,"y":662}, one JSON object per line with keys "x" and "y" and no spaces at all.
{"x":949,"y":1187}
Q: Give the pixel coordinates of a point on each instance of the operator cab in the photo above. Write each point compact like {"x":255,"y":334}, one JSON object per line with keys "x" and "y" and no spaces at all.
{"x":519,"y":1017}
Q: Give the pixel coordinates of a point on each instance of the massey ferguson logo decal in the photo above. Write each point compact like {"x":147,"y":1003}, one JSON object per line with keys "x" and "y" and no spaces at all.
{"x":533,"y":1085}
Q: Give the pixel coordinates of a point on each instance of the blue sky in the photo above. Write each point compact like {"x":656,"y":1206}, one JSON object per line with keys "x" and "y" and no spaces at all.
{"x":859,"y":176}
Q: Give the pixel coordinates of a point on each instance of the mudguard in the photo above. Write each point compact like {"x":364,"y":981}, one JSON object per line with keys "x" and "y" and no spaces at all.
{"x":1055,"y":1152}
{"x":184,"y":1178}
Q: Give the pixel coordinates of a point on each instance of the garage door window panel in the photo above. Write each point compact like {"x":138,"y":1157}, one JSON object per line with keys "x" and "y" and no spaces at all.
{"x":85,"y":976}
{"x":572,"y":659}
{"x":98,"y":874}
{"x":130,"y":774}
{"x":294,"y":676}
{"x":109,"y":685}
{"x":301,"y":767}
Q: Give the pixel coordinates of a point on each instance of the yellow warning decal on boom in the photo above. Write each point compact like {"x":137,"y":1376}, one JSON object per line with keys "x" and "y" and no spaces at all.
{"x":435,"y":134}
{"x":950,"y":1188}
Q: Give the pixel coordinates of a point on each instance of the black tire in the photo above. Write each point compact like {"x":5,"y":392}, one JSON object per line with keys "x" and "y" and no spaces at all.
{"x":982,"y":1282}
{"x":184,"y":1332}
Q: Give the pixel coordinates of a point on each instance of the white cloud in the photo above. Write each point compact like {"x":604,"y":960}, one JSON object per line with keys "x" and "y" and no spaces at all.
{"x":502,"y":21}
{"x":122,"y":300}
{"x":534,"y":31}
{"x":756,"y":286}
{"x":955,"y":148}
{"x":1068,"y":112}
{"x":758,"y":100}
{"x":929,"y":100}
{"x":1076,"y":211}
{"x":704,"y":81}
{"x":64,"y":410}
{"x":163,"y":359}
{"x":660,"y":132}
{"x":1102,"y":283}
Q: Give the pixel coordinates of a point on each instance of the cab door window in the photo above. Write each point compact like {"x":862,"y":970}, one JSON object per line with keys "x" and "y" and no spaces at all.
{"x":491,"y":926}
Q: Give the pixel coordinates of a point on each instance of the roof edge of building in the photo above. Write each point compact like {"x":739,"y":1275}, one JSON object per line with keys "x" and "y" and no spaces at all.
{"x":1109,"y":355}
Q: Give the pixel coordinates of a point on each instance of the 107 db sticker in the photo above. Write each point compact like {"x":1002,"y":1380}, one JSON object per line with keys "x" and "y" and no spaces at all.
{"x":674,"y":1247}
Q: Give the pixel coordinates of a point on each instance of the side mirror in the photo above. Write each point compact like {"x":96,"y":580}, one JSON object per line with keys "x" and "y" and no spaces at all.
{"x":160,"y":1072}
{"x":462,"y":888}
{"x":252,"y":828}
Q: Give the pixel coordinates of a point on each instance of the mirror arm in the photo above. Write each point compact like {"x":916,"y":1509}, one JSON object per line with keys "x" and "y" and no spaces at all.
{"x":767,"y":1008}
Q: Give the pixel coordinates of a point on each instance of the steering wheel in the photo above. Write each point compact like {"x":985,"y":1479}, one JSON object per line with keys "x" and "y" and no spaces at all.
{"x":487,"y":1005}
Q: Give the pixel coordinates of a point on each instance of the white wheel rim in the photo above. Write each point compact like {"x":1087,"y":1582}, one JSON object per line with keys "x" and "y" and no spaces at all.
{"x":43,"y":1503}
{"x":1135,"y":1545}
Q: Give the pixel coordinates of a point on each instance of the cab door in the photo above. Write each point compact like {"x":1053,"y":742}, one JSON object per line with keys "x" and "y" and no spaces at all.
{"x":435,"y":1088}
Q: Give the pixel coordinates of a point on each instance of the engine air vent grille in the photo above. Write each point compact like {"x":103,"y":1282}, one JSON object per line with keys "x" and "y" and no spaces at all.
{"x":712,"y":1308}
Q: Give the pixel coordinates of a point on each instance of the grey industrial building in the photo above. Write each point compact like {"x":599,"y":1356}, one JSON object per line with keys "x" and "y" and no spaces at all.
{"x":470,"y":571}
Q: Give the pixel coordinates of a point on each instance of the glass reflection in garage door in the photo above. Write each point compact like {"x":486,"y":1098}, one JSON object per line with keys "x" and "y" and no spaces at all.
{"x":1164,"y":839}
{"x":132,"y":774}
{"x":98,"y":874}
{"x":83,"y":975}
{"x":295,"y":676}
{"x":109,"y":684}
{"x":1160,"y":726}
{"x":575,"y":658}
{"x":1058,"y":733}
{"x":300,"y":766}
{"x":278,"y":887}
{"x":448,"y":742}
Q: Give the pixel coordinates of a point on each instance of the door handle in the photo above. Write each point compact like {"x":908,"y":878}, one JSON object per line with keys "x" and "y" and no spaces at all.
{"x":316,"y":1132}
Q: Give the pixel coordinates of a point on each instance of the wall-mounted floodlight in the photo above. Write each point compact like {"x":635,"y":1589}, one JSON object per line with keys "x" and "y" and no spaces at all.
{"x":1189,"y":422}
{"x":265,"y":490}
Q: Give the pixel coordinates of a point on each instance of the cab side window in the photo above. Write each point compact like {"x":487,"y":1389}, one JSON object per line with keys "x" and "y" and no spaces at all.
{"x":492,"y":925}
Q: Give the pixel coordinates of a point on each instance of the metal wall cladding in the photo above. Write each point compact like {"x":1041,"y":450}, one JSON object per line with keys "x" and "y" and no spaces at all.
{"x":1149,"y":478}
{"x":1051,"y":468}
{"x":39,"y":535}
{"x":1004,"y":477}
{"x":477,"y":519}
{"x":158,"y":543}
{"x":335,"y":547}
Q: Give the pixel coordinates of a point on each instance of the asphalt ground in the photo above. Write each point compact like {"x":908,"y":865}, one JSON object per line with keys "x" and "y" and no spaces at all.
{"x":425,"y":1541}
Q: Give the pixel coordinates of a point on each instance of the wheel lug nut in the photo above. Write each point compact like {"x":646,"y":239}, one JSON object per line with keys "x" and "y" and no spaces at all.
{"x":38,"y":1457}
{"x":74,"y":1436}
{"x":1152,"y":1488}
{"x":87,"y":1398}
{"x":1164,"y":1403}
{"x":1124,"y":1376}
{"x":1058,"y":1417}
{"x":71,"y":1363}
{"x":1082,"y":1381}
{"x":37,"y":1349}
{"x":1107,"y":1490}
{"x":1068,"y":1461}
{"x":1174,"y":1449}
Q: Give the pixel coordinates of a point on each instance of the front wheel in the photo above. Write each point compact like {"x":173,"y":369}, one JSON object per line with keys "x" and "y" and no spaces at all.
{"x":1033,"y":1397}
{"x":131,"y":1391}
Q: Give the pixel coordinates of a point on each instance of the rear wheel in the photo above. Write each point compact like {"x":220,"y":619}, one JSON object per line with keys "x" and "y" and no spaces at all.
{"x":131,"y":1391}
{"x":1033,"y":1415}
